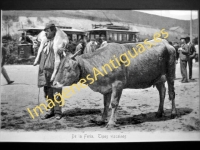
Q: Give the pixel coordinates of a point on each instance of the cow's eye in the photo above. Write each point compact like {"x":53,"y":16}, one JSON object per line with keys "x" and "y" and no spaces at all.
{"x":66,"y":66}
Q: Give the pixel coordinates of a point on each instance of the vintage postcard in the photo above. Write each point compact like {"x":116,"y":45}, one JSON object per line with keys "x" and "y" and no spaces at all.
{"x":99,"y":75}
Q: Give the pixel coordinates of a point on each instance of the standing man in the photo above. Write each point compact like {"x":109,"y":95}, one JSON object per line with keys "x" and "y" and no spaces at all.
{"x":192,"y":53}
{"x":183,"y":54}
{"x":80,"y":47}
{"x":46,"y":68}
{"x":4,"y":52}
{"x":176,"y":46}
{"x":195,"y":42}
{"x":90,"y":47}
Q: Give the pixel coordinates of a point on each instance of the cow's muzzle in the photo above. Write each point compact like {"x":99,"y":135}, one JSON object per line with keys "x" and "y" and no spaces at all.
{"x":57,"y":85}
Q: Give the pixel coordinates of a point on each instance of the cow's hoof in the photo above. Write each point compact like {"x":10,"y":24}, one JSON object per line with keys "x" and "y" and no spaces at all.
{"x":173,"y":116}
{"x":113,"y":125}
{"x":100,"y":122}
{"x":160,"y":114}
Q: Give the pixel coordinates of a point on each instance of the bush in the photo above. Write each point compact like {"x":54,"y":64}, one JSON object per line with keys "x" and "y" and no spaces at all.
{"x":12,"y":53}
{"x":12,"y":59}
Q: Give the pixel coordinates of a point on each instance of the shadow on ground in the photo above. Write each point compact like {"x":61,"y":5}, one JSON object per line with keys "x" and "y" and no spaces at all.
{"x":90,"y":120}
{"x":151,"y":117}
{"x":80,"y":118}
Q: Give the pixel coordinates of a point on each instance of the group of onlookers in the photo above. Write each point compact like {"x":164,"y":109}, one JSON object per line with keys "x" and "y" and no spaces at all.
{"x":86,"y":46}
{"x":187,"y":51}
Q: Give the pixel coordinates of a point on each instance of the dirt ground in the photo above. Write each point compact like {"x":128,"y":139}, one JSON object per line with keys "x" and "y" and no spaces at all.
{"x":136,"y":110}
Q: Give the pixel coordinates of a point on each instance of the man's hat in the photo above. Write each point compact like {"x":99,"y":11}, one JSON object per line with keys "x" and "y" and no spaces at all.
{"x":49,"y":25}
{"x":187,"y":38}
{"x":182,"y":38}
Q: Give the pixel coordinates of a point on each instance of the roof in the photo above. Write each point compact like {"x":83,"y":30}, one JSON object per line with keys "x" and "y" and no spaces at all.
{"x":105,"y":29}
{"x":26,"y":29}
{"x":174,"y":28}
{"x":40,"y":29}
{"x":72,"y":30}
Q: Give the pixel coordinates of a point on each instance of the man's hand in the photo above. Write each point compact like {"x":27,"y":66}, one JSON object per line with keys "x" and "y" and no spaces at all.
{"x":179,"y":50}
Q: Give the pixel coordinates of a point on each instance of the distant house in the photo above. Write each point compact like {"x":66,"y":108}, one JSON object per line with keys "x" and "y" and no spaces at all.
{"x":177,"y":29}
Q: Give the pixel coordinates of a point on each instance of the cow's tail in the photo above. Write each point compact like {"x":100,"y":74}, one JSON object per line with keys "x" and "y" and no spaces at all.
{"x":170,"y":69}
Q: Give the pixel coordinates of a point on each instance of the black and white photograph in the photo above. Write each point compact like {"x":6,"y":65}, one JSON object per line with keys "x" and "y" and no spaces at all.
{"x":99,"y":75}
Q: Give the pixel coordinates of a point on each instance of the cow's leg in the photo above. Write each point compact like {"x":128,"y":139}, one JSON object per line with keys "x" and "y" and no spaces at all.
{"x":171,"y":92}
{"x":162,"y":91}
{"x":103,"y":119}
{"x":106,"y":98}
{"x":115,"y":97}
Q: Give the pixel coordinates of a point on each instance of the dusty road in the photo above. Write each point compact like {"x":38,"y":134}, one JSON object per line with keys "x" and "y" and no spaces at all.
{"x":136,"y":110}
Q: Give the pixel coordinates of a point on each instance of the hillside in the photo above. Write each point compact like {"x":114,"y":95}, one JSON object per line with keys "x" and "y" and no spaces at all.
{"x":147,"y":24}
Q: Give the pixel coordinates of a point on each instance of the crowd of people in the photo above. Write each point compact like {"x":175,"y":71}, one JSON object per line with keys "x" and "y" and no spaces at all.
{"x":186,"y":52}
{"x":86,"y":46}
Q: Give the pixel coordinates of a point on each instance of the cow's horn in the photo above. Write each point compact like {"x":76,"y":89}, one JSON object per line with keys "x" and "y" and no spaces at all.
{"x":73,"y":56}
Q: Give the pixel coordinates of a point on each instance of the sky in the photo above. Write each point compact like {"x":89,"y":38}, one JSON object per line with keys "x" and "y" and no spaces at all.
{"x":177,"y":14}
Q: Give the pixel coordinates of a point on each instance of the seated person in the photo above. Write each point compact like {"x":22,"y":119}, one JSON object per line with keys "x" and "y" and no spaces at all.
{"x":25,"y":39}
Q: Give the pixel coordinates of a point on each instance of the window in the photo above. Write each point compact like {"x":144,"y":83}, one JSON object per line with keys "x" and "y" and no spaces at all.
{"x":134,"y":38}
{"x":119,"y":37}
{"x":115,"y":36}
{"x":127,"y":37}
{"x":131,"y":37}
{"x":124,"y":37}
{"x":110,"y":37}
{"x":79,"y":37}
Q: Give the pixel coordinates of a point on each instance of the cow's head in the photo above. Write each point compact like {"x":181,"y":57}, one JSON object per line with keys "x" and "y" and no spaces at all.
{"x":68,"y":72}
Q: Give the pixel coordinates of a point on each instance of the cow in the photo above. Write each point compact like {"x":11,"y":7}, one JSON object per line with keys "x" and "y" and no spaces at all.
{"x":152,"y":67}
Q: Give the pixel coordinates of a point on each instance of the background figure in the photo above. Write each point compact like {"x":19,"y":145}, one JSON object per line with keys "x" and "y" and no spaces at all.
{"x":183,"y":54}
{"x":98,"y":41}
{"x":192,"y":53}
{"x":80,"y":46}
{"x":3,"y":70}
{"x":71,"y":47}
{"x":25,"y":39}
{"x":176,"y":46}
{"x":196,"y":46}
{"x":90,"y":47}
